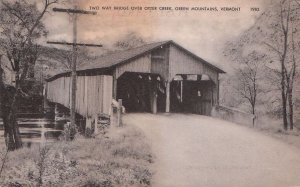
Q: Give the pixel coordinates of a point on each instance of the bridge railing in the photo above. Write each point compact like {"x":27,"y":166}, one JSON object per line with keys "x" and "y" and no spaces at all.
{"x":97,"y":124}
{"x":233,"y":115}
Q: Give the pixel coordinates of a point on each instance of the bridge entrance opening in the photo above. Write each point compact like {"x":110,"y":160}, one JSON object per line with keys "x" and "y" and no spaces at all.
{"x":192,"y":94}
{"x":141,"y":92}
{"x":145,"y":92}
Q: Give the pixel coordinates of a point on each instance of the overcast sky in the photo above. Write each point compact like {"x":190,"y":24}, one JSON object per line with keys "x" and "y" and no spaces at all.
{"x":203,"y":33}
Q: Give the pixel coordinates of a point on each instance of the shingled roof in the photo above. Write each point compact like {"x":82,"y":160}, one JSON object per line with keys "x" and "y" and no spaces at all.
{"x":119,"y":57}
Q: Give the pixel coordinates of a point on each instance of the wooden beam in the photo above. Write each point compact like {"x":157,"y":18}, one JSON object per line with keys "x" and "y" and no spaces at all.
{"x":218,"y":91}
{"x":96,"y":131}
{"x":158,"y":57}
{"x":74,"y":13}
{"x":212,"y":94}
{"x":88,"y":126}
{"x":181,"y":91}
{"x":77,"y":44}
{"x":115,"y":83}
{"x":154,"y":99}
{"x":120,"y":113}
{"x":167,"y":96}
{"x":74,"y":80}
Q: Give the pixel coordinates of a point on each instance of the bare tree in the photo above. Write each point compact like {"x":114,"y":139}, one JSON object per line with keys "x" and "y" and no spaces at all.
{"x":274,"y":34}
{"x":282,"y":43}
{"x":21,"y":25}
{"x":291,"y":79}
{"x":247,"y":83}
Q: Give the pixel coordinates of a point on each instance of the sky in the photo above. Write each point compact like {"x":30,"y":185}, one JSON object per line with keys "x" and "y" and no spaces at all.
{"x":205,"y":33}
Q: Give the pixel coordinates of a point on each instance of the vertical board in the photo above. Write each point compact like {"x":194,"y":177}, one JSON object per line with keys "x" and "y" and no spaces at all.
{"x":141,"y":64}
{"x":93,"y":94}
{"x":159,"y":62}
{"x":182,"y":63}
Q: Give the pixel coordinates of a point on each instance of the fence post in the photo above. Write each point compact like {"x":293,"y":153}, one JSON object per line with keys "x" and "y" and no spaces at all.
{"x":96,"y":131}
{"x":88,"y":126}
{"x":112,"y":114}
{"x":119,"y":113}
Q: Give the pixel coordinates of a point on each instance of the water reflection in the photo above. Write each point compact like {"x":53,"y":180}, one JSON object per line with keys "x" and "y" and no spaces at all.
{"x":37,"y":130}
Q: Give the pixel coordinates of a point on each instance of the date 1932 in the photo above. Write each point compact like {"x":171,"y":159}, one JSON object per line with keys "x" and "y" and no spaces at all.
{"x":254,"y":9}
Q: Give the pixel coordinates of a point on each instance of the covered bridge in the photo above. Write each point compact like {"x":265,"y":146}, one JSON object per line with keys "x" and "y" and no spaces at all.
{"x":156,"y":77}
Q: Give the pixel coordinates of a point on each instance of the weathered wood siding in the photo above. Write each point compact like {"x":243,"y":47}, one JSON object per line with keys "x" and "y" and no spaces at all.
{"x":204,"y":104}
{"x":93,"y":94}
{"x":159,"y":62}
{"x":58,"y":91}
{"x":182,"y":63}
{"x":142,"y":65}
{"x":195,"y":103}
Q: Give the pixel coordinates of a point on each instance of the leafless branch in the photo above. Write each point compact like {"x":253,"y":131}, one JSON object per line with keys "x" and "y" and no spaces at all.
{"x":273,"y":48}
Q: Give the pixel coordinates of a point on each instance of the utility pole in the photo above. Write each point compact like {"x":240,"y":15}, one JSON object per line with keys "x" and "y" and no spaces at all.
{"x":74,"y":13}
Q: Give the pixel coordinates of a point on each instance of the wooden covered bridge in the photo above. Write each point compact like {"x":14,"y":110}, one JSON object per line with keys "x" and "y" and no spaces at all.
{"x":157,"y":77}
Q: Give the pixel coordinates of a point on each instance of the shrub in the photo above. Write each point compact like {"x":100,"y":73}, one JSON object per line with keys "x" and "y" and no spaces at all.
{"x":120,"y":158}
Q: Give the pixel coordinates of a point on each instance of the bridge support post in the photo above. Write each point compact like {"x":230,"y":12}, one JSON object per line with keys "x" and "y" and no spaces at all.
{"x":96,"y":131}
{"x":88,"y":127}
{"x":153,"y":99}
{"x":168,"y":96}
{"x":115,"y":86}
{"x":154,"y":103}
{"x":119,"y":123}
{"x":111,"y":115}
{"x":56,"y":112}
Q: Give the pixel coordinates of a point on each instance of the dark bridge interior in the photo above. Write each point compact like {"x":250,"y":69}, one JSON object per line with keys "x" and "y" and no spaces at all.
{"x":144,"y":92}
{"x":139,"y":90}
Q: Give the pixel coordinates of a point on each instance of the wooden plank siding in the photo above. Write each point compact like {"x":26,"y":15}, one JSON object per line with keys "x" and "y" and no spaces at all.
{"x":93,"y":94}
{"x":169,"y":61}
{"x":200,"y":104}
{"x":182,"y":63}
{"x":139,"y":65}
{"x":98,"y":82}
{"x":159,"y":62}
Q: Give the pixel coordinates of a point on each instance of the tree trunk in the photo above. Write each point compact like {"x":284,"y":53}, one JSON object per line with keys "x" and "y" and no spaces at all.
{"x":285,"y":31}
{"x":253,"y":112}
{"x":284,"y":106}
{"x":14,"y":123}
{"x":11,"y":127}
{"x":1,"y":85}
{"x":284,"y":97}
{"x":291,"y":109}
{"x":8,"y":103}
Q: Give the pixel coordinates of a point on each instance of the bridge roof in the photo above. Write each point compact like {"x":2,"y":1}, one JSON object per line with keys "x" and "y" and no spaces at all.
{"x":119,"y":57}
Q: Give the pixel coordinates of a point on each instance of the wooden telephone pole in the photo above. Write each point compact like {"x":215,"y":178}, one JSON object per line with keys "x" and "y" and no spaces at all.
{"x":74,"y":13}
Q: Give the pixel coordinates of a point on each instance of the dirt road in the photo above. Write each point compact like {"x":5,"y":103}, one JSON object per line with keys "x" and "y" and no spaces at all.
{"x":193,"y":150}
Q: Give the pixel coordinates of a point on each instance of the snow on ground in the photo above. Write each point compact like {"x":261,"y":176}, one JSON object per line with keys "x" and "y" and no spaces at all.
{"x":194,"y":150}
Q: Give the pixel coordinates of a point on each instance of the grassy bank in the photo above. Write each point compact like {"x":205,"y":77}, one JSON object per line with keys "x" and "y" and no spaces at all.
{"x":273,"y":127}
{"x":122,"y":157}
